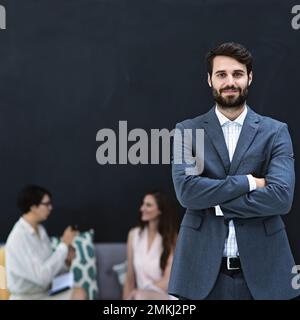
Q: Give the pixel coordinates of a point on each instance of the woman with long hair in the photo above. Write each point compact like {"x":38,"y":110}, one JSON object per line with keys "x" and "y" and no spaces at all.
{"x":150,"y":248}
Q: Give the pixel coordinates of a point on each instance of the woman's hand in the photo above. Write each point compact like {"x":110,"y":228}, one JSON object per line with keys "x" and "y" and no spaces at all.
{"x":69,"y":235}
{"x":71,"y":255}
{"x":132,"y":294}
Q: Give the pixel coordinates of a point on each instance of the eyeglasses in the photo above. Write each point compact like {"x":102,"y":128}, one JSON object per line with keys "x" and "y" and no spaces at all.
{"x":48,"y":203}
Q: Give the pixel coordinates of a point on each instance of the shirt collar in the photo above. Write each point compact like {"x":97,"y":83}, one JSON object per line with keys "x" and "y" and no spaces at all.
{"x":239,"y":120}
{"x":27,"y":225}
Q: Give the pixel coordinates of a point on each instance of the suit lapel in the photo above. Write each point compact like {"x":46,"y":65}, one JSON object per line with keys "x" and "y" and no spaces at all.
{"x":249,"y":130}
{"x":214,"y":132}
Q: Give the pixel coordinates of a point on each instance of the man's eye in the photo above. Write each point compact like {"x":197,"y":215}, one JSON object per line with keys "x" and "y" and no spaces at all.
{"x":237,"y":75}
{"x":221,"y":75}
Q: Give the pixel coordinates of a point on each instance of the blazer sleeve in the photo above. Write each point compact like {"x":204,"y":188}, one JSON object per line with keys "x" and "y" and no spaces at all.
{"x":277,"y":197}
{"x":199,"y":192}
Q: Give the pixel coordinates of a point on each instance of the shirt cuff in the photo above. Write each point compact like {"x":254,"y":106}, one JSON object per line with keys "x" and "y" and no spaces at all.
{"x":63,"y":248}
{"x":218,"y":211}
{"x":252,"y":183}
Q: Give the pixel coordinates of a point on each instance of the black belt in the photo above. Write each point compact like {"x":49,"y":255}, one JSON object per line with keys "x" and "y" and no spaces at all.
{"x":231,"y":265}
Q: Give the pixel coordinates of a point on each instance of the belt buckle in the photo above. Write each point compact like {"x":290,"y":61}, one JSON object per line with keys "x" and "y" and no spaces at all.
{"x":228,"y":264}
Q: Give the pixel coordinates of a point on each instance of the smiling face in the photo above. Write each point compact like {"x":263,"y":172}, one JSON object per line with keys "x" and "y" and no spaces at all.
{"x":149,"y":209}
{"x":229,"y":82}
{"x":43,"y":209}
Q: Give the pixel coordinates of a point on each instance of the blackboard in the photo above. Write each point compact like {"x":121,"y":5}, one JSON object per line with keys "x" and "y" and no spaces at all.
{"x":69,"y":68}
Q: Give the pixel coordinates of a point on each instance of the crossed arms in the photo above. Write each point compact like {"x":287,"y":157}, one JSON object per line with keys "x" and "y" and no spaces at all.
{"x":232,"y":193}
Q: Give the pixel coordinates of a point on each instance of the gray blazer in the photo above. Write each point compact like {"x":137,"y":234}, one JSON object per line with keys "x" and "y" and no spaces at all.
{"x":265,"y":150}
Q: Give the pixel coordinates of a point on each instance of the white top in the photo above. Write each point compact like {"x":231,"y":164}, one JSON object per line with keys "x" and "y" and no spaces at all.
{"x":31,"y":263}
{"x":146,"y":263}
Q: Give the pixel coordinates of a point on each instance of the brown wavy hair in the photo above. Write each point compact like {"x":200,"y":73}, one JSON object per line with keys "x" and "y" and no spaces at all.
{"x":168,"y":225}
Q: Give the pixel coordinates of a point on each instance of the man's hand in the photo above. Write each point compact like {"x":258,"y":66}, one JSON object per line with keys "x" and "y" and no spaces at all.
{"x":260,"y":182}
{"x":69,"y":235}
{"x":71,"y":255}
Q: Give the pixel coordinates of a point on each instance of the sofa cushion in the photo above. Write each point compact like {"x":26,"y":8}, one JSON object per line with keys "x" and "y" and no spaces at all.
{"x":4,"y":293}
{"x":84,"y":263}
{"x":121,"y":270}
{"x":108,"y":255}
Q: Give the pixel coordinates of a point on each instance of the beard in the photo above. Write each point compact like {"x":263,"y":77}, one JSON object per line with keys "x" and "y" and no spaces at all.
{"x":230,"y":101}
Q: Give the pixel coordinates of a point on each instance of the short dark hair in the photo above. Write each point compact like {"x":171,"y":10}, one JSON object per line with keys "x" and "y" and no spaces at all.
{"x":31,"y":195}
{"x":230,"y":49}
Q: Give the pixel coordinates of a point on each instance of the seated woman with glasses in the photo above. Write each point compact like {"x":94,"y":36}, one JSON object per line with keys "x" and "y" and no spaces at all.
{"x":31,"y":264}
{"x":150,"y":248}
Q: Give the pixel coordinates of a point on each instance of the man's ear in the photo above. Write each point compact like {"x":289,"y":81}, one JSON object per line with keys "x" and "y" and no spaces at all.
{"x":208,"y":79}
{"x":250,"y":78}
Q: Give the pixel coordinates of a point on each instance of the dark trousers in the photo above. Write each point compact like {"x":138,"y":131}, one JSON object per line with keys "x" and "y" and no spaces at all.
{"x":229,"y":287}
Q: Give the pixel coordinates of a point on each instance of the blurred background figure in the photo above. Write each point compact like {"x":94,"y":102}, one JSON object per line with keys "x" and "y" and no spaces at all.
{"x":31,"y":264}
{"x":150,"y":248}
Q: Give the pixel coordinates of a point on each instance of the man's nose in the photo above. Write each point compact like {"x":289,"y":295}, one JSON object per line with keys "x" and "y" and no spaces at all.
{"x":230,"y":80}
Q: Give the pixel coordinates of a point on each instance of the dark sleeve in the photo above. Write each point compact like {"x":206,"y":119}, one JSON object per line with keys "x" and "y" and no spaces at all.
{"x":199,"y":192}
{"x":277,"y":197}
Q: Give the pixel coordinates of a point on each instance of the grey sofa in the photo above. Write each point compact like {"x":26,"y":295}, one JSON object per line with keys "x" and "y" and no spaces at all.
{"x":108,"y":255}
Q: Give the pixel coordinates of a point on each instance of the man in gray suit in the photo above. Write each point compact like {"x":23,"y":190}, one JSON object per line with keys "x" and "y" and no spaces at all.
{"x":232,"y":242}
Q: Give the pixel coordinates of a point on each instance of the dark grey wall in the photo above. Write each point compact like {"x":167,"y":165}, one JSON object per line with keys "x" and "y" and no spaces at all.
{"x":71,"y":67}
